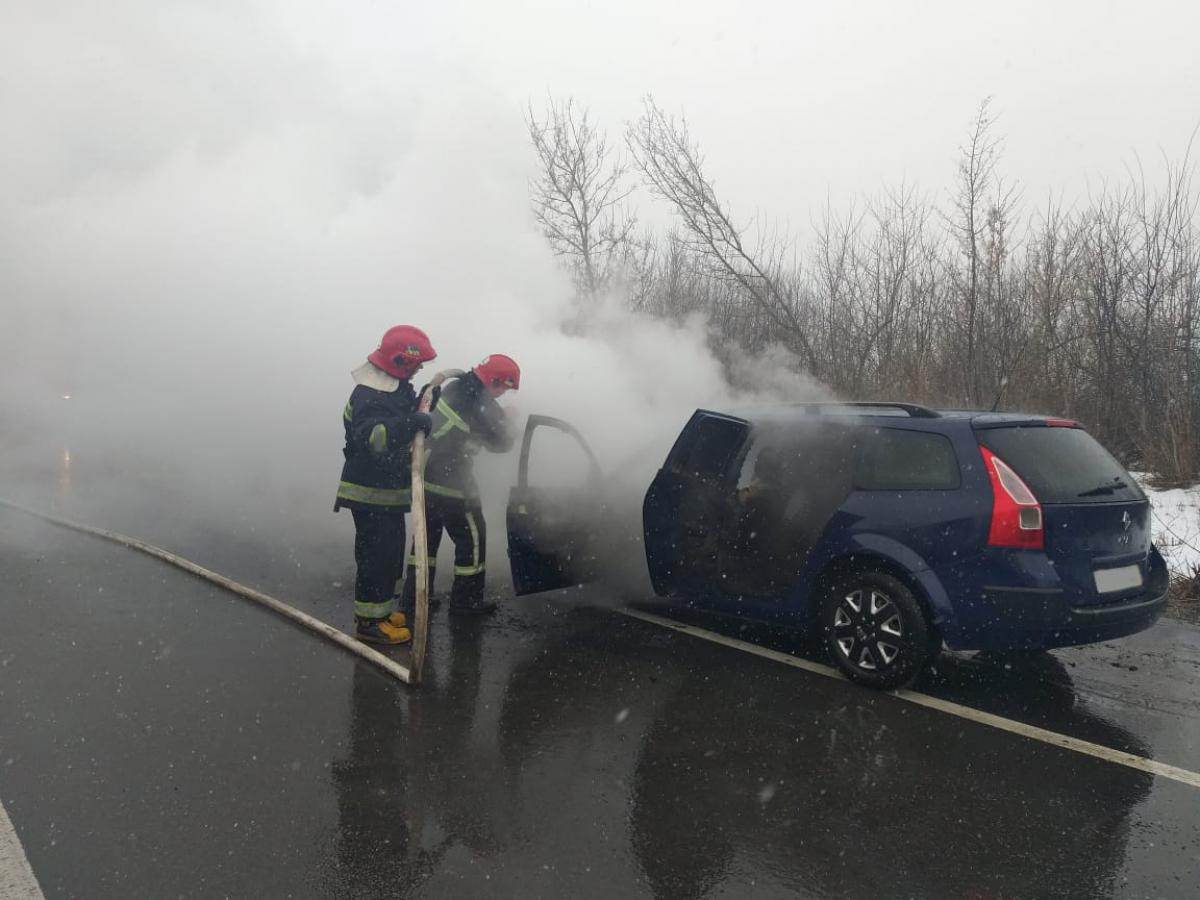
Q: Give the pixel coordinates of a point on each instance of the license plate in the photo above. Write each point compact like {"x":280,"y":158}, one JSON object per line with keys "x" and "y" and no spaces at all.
{"x":1126,"y":578}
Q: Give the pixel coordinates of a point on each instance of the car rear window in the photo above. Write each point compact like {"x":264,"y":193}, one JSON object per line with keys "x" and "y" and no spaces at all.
{"x":892,"y":459}
{"x":1062,"y":465}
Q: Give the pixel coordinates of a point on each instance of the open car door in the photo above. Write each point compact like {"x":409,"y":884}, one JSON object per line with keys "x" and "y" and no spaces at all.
{"x":554,"y":517}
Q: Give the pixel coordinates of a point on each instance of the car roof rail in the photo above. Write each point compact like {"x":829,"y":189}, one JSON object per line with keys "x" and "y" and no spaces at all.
{"x":915,"y":410}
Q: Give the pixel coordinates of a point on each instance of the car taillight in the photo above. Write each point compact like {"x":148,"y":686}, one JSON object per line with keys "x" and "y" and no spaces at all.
{"x":1016,"y":513}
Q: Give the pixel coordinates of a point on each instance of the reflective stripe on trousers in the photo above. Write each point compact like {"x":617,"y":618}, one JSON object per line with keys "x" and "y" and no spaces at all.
{"x":365,"y":610}
{"x":477,"y":566}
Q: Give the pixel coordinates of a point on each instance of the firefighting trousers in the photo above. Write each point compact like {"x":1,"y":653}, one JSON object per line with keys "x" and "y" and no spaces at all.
{"x":463,"y":521}
{"x":379,"y":555}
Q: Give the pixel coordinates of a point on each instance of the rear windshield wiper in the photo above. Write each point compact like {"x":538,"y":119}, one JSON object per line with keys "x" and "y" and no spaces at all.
{"x":1111,"y":488}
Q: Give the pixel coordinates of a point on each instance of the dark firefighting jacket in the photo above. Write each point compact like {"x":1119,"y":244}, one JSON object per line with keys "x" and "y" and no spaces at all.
{"x":466,"y":419}
{"x":377,"y":474}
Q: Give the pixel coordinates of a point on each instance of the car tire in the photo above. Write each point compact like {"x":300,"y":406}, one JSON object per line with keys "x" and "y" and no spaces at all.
{"x":876,"y":630}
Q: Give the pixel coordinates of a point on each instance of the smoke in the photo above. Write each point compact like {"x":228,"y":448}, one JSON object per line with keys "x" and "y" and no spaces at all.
{"x":206,"y":224}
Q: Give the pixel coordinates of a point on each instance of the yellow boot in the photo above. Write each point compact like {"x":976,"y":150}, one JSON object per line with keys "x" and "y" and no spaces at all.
{"x":380,"y":631}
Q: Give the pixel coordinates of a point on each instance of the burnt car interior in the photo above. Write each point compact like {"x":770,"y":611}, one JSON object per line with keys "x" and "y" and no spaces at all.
{"x":789,"y":484}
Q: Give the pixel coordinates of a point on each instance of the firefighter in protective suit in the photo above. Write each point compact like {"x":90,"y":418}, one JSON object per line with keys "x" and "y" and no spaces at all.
{"x":381,"y":420}
{"x":467,"y":418}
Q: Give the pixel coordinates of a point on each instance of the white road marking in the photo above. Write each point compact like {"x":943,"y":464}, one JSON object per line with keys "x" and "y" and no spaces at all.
{"x":16,"y":877}
{"x":1045,"y":736}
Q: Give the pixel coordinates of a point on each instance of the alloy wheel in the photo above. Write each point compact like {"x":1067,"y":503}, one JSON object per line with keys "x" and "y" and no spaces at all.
{"x":868,"y":629}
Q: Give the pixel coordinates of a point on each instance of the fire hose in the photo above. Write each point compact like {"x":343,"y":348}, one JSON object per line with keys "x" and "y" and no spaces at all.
{"x":421,"y":533}
{"x":410,"y":674}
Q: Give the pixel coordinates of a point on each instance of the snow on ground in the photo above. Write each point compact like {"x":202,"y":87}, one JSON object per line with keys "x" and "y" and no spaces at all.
{"x":1175,"y":524}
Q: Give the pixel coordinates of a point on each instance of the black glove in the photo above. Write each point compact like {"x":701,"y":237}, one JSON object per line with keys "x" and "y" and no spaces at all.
{"x":435,"y":394}
{"x":422,"y":422}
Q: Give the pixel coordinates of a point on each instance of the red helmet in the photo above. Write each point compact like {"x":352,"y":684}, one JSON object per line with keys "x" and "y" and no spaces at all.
{"x":402,"y":351}
{"x":499,"y":373}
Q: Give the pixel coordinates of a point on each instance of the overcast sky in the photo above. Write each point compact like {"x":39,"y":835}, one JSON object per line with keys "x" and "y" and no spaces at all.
{"x":794,"y":100}
{"x":790,"y":101}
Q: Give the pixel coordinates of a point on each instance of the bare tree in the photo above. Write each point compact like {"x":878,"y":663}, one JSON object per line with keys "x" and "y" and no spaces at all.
{"x":673,"y":167}
{"x":1049,"y":364}
{"x":834,"y":283}
{"x":891,"y":261}
{"x":978,"y":218}
{"x":1164,"y":289}
{"x":579,"y":193}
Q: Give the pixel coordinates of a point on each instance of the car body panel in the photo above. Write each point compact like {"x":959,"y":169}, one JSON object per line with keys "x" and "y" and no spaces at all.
{"x":699,"y":547}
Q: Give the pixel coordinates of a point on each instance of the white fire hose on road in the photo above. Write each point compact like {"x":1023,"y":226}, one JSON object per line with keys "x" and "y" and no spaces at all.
{"x":301,"y":618}
{"x":410,"y":674}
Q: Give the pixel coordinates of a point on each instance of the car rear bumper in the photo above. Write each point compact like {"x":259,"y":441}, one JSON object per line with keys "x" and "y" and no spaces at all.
{"x":1045,"y":618}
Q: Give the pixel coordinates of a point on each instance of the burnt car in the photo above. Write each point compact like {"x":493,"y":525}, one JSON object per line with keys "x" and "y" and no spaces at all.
{"x":891,"y":528}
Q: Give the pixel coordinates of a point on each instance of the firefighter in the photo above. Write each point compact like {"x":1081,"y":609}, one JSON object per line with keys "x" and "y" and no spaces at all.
{"x":381,"y":420}
{"x":467,"y":418}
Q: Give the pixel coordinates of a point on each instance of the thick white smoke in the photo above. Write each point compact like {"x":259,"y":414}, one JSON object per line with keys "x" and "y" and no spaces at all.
{"x":205,"y":226}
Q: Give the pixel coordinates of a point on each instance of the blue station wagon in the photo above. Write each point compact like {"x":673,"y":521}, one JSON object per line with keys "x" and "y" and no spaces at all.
{"x":891,"y":528}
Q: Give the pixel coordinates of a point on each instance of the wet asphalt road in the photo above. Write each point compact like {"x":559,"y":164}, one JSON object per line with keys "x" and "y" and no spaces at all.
{"x":160,"y":738}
